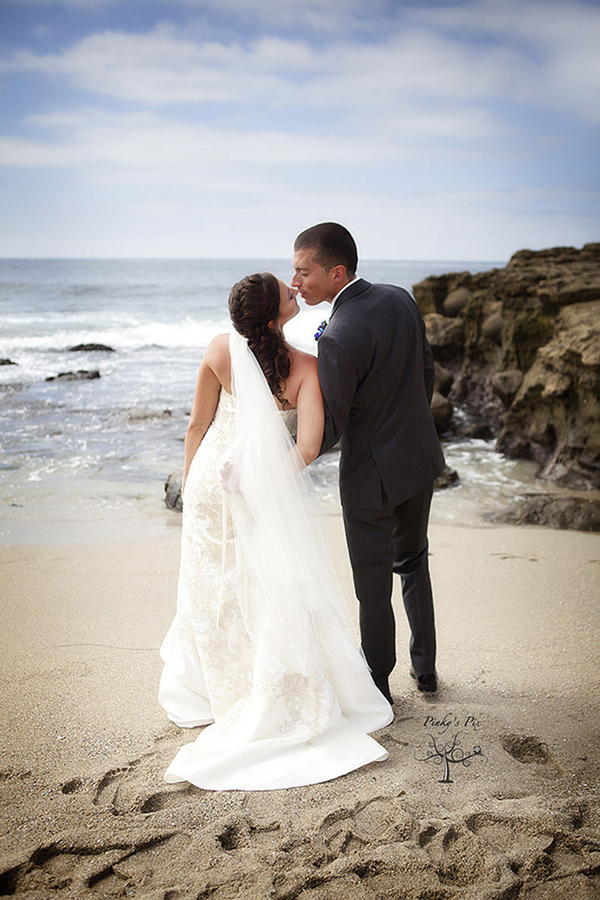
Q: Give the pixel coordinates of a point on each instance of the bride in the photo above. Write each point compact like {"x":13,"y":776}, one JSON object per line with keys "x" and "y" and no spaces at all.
{"x":261,"y":649}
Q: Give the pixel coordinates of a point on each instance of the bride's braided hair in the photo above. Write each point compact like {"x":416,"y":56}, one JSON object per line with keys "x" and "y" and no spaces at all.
{"x":253,"y":304}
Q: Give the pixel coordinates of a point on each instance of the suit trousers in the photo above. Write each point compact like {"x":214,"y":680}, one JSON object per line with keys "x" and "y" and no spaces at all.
{"x":381,"y":542}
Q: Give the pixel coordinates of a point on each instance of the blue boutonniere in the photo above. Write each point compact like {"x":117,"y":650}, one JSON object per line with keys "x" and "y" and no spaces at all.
{"x":320,"y":330}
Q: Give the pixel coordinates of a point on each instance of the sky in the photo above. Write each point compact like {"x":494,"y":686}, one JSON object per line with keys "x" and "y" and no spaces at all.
{"x":434,"y":130}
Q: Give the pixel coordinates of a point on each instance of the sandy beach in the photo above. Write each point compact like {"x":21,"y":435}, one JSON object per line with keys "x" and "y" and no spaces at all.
{"x":514,"y":813}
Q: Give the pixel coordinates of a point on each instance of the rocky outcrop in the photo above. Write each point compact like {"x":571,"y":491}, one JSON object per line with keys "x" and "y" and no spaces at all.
{"x":144,"y":414}
{"x":522,"y":345}
{"x":79,"y":375}
{"x":7,"y":362}
{"x":91,"y":348}
{"x":441,"y":409}
{"x":555,"y":415}
{"x":577,"y":513}
{"x":448,"y":478}
{"x":173,"y":492}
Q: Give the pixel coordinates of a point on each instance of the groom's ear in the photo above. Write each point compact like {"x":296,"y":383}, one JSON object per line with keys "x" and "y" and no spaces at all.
{"x":338,"y":275}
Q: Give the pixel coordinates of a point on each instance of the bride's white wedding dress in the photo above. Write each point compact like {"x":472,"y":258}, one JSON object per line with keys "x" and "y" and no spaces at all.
{"x":261,"y":645}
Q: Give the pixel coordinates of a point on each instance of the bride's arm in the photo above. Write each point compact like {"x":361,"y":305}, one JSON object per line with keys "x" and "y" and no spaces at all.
{"x":206,"y":398}
{"x":311,"y":418}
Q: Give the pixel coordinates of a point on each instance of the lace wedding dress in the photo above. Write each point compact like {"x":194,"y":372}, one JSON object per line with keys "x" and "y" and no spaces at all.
{"x":261,"y":650}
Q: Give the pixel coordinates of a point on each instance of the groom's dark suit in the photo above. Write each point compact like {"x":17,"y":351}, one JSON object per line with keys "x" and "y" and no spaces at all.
{"x":376,"y":373}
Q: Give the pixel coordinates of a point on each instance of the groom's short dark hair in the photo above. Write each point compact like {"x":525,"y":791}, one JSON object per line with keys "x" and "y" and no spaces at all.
{"x":333,"y":245}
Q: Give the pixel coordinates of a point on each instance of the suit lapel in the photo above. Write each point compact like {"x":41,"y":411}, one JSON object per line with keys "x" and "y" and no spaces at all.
{"x":359,"y":287}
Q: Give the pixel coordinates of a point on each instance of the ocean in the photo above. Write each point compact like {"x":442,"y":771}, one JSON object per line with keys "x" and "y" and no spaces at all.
{"x":82,"y":460}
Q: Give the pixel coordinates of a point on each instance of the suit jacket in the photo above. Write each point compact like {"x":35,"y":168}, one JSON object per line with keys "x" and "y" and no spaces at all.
{"x":376,"y":372}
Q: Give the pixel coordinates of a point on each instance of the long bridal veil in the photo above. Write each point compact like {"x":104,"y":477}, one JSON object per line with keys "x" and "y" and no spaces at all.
{"x":306,"y":701}
{"x":289,"y":584}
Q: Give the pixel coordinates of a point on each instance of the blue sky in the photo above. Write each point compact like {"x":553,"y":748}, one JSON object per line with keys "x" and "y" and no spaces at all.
{"x":440,"y":129}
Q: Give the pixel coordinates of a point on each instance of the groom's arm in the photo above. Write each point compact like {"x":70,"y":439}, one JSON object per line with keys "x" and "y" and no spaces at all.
{"x":429,"y":368}
{"x":428,"y":361}
{"x":338,"y":379}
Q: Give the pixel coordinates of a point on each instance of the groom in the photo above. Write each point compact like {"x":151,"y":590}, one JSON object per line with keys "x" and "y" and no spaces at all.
{"x":376,"y":373}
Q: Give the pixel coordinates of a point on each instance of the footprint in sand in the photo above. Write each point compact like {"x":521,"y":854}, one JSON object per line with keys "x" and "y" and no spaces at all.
{"x":380,"y":820}
{"x":540,"y":847}
{"x":77,"y":866}
{"x":515,"y":556}
{"x":107,"y":791}
{"x":168,"y":799}
{"x":525,"y":748}
{"x":133,"y":787}
{"x":371,"y":849}
{"x":70,"y":787}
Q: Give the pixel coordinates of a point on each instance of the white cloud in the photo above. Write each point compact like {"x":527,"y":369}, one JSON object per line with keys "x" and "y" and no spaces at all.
{"x":85,"y":5}
{"x":558,"y":39}
{"x":152,"y":69}
{"x":21,"y":153}
{"x":421,"y":225}
{"x":555,"y":65}
{"x":231,"y":145}
{"x":146,"y":140}
{"x":162,"y":67}
{"x":320,"y":16}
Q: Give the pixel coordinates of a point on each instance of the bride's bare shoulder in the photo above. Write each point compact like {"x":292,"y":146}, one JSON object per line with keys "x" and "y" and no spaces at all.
{"x":219,"y":343}
{"x":218,"y":350}
{"x":302,"y":361}
{"x":218,"y":360}
{"x":303,"y":375}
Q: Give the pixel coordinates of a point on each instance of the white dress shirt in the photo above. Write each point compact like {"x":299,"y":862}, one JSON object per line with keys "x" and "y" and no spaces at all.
{"x":342,"y":290}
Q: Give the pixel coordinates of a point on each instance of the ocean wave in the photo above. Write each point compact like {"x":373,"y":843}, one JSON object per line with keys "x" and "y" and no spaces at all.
{"x":124,"y":335}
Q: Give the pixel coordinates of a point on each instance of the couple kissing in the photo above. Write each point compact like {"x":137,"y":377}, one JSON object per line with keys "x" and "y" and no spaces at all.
{"x":261,"y":650}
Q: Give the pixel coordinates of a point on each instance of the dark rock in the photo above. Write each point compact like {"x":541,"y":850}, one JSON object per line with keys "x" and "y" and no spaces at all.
{"x":442,"y":411}
{"x":455,"y":301}
{"x":79,"y":375}
{"x":555,"y":416}
{"x":506,"y":384}
{"x":576,"y":513}
{"x":7,"y":362}
{"x":173,"y":492}
{"x":448,"y":478}
{"x":443,"y":379}
{"x":492,"y":327}
{"x":89,"y":348}
{"x":472,"y":390}
{"x":446,"y":337}
{"x":432,"y":292}
{"x":473,"y":428}
{"x":143,"y":414}
{"x":578,"y":292}
{"x":524,"y":347}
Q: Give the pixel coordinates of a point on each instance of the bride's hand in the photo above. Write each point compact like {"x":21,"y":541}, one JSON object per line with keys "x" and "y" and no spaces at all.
{"x":229,"y":477}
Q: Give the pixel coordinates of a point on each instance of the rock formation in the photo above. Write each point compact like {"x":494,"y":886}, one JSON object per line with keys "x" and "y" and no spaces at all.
{"x":173,"y":492}
{"x":79,"y":375}
{"x":522,"y":346}
{"x":577,"y":513}
{"x":91,"y":348}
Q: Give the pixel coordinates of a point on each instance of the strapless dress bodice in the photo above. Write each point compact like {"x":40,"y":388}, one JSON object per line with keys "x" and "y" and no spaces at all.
{"x":226,"y":409}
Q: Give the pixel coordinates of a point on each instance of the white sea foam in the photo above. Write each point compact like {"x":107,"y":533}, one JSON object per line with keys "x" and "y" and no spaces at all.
{"x":123,"y":334}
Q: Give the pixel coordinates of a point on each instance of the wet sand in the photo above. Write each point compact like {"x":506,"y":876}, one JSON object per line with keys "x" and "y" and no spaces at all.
{"x":514,"y":813}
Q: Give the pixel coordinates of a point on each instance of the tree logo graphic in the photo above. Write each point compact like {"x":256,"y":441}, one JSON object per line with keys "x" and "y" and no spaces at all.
{"x":448,"y":754}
